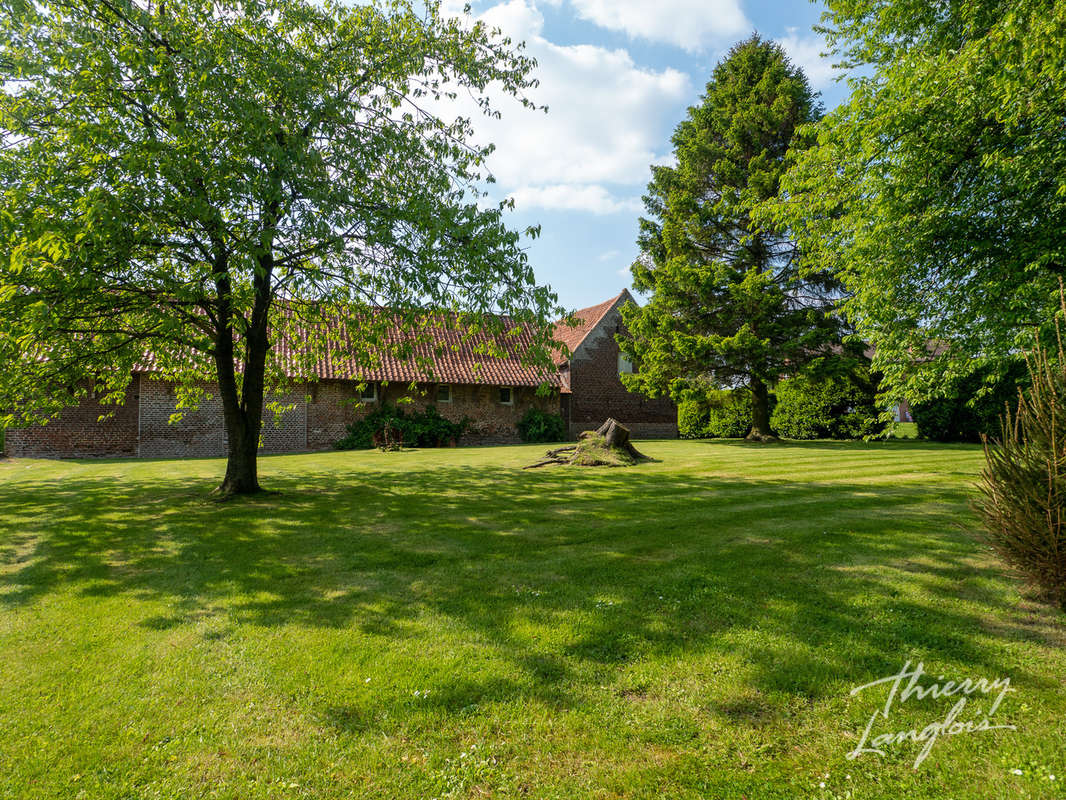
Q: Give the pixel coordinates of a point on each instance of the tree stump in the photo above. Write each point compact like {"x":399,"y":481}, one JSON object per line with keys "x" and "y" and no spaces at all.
{"x":611,"y":440}
{"x":616,"y":435}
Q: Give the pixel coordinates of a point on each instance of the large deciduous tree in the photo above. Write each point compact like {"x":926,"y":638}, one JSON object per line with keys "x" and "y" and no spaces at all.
{"x":937,"y":192}
{"x":187,"y":183}
{"x":730,"y":304}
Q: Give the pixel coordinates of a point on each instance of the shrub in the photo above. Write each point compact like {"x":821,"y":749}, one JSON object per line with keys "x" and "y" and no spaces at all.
{"x":1023,"y":485}
{"x":715,"y":415}
{"x":430,"y":429}
{"x":830,"y":407}
{"x":542,"y":426}
{"x":691,"y":419}
{"x":972,"y":405}
{"x":389,"y":427}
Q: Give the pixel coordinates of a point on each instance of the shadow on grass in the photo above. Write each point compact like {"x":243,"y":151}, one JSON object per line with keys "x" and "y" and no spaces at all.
{"x":857,"y":578}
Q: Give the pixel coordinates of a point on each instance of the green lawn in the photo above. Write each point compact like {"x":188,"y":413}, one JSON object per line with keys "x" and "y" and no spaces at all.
{"x":443,"y":624}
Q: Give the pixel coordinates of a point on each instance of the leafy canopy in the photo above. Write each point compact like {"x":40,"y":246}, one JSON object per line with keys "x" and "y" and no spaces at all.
{"x":936,"y":192}
{"x":182,"y":181}
{"x":729,"y":302}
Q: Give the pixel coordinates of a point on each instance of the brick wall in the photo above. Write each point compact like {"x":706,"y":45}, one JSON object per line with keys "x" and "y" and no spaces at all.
{"x":78,"y":432}
{"x":638,"y":430}
{"x":334,"y":406}
{"x":493,"y":421}
{"x":331,"y":410}
{"x":201,"y":433}
{"x":319,"y":417}
{"x":598,"y":392}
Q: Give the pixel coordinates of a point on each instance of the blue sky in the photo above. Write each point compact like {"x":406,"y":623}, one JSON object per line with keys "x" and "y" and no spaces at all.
{"x":617,"y":76}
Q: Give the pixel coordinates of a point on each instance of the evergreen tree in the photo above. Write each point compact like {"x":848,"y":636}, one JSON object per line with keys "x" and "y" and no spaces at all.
{"x":729,"y":300}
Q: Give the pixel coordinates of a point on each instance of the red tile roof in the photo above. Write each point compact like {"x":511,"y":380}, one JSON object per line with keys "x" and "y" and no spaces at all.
{"x":589,"y":318}
{"x":441,"y":353}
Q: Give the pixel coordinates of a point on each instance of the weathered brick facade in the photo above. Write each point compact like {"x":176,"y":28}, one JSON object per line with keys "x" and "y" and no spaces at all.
{"x":78,"y":432}
{"x":319,"y":413}
{"x":597,"y":390}
{"x":316,"y":420}
{"x":335,"y":405}
{"x":200,"y":433}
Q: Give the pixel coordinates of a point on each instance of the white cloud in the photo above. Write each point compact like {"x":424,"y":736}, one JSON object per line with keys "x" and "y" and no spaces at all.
{"x":610,"y":255}
{"x":592,"y":198}
{"x":689,"y":24}
{"x":516,"y":18}
{"x":806,"y":52}
{"x":608,"y":120}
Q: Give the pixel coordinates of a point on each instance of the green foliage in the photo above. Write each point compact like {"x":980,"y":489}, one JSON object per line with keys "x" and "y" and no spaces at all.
{"x":542,"y":426}
{"x":190,"y":181}
{"x":902,"y":430}
{"x":937,"y":192}
{"x":391,"y":426}
{"x":715,"y":415}
{"x":970,"y":406}
{"x":827,"y":406}
{"x":1023,"y":486}
{"x":691,"y":419}
{"x":723,"y":287}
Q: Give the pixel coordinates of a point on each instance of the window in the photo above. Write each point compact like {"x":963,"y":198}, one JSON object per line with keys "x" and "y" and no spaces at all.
{"x":506,"y":396}
{"x":369,"y":393}
{"x":625,"y":366}
{"x":444,"y":393}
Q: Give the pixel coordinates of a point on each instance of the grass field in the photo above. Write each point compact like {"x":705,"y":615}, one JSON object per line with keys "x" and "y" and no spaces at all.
{"x":443,"y":624}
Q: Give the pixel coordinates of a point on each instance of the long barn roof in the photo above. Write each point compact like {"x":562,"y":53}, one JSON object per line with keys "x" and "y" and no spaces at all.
{"x":442,"y":354}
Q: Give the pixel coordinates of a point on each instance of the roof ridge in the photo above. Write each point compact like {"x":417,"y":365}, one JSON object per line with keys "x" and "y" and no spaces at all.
{"x":573,"y":337}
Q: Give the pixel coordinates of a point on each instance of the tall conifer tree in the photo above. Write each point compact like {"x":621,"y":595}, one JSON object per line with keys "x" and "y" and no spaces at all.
{"x":730,"y":303}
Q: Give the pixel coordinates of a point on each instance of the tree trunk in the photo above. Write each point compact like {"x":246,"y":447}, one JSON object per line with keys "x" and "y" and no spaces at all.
{"x":243,"y":406}
{"x":242,"y":465}
{"x":760,"y":413}
{"x":243,"y":416}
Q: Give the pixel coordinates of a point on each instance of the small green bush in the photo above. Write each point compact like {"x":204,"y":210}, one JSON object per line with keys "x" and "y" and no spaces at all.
{"x":715,"y":415}
{"x":827,"y":407}
{"x":392,"y":426}
{"x":972,"y":405}
{"x":542,"y":426}
{"x":691,"y":419}
{"x":430,"y":429}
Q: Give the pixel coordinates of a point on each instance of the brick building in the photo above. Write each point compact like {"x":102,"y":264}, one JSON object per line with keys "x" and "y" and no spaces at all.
{"x":591,"y":374}
{"x":494,"y":392}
